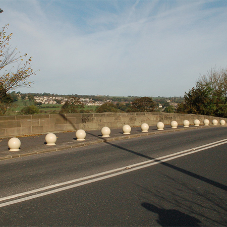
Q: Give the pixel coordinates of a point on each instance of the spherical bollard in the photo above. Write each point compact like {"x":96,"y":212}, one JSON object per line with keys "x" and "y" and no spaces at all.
{"x":105,"y":132}
{"x":206,"y":122}
{"x":144,"y":127}
{"x":186,"y":123}
{"x":126,"y":129}
{"x":222,"y":122}
{"x":174,"y":124}
{"x":80,"y":135}
{"x":196,"y":122}
{"x":51,"y":139}
{"x":14,"y":144}
{"x":215,"y":122}
{"x":160,"y":126}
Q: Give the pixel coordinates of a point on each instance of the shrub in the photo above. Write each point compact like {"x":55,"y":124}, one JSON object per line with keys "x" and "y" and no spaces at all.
{"x":30,"y":110}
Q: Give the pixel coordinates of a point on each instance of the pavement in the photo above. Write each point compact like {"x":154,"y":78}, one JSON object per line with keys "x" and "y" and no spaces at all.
{"x":35,"y":144}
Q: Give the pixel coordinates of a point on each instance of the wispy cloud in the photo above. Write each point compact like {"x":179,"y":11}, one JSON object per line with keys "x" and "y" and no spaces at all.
{"x":145,"y":48}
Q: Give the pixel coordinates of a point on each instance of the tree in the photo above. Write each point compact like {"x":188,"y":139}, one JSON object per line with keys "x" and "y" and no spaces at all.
{"x":107,"y":107}
{"x":125,"y":107}
{"x":30,"y":110}
{"x":74,"y":105}
{"x":144,"y":104}
{"x":16,"y":67}
{"x":169,"y":109}
{"x":4,"y":101}
{"x":14,"y":96}
{"x":208,"y":97}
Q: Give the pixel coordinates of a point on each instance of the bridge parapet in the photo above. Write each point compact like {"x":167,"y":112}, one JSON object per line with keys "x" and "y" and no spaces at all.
{"x":43,"y":123}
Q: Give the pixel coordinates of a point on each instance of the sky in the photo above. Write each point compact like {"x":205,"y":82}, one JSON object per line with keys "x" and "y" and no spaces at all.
{"x":118,"y":47}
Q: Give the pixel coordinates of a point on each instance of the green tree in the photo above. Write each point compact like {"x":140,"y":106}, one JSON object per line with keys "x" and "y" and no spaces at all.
{"x":5,"y":100}
{"x":31,"y":98}
{"x":169,"y":109}
{"x":208,"y":97}
{"x":123,"y":107}
{"x":73,"y":105}
{"x":144,"y":104}
{"x":30,"y":110}
{"x":14,"y":96}
{"x":107,"y":107}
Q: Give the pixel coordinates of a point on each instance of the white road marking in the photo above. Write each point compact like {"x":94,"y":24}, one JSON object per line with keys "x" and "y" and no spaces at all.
{"x":20,"y":197}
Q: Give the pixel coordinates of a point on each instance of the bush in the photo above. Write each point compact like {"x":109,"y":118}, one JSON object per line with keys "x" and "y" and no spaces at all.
{"x":72,"y":106}
{"x":169,"y":109}
{"x":144,"y":104}
{"x":107,"y":107}
{"x":30,"y":110}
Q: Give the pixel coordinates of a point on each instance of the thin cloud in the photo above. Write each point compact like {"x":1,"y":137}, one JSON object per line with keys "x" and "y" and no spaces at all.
{"x":144,"y":48}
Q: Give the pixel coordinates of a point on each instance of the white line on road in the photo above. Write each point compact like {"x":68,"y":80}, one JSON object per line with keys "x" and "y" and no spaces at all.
{"x":20,"y":197}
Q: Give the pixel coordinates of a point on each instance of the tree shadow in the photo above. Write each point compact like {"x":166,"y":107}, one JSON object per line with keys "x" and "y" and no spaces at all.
{"x":171,"y":217}
{"x":67,"y":120}
{"x":199,"y":177}
{"x":204,"y":203}
{"x":180,"y":194}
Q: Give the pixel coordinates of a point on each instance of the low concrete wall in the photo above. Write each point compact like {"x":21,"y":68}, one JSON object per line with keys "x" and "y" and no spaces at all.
{"x":41,"y":124}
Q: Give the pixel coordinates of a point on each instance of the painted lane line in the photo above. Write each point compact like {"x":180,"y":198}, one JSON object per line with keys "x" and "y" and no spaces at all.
{"x":104,"y":175}
{"x":107,"y":172}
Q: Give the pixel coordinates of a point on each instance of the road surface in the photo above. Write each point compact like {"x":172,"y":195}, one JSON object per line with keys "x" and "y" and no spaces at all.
{"x":172,"y":179}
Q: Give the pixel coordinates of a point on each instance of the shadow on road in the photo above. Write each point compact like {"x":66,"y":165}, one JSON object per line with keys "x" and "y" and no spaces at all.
{"x":204,"y":179}
{"x":178,"y":193}
{"x":172,"y":217}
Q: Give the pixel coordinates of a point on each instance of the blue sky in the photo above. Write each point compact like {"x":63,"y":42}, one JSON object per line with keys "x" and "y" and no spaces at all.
{"x":120,"y":48}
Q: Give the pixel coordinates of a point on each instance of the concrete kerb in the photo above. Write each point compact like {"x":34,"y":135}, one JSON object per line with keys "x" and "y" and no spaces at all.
{"x":65,"y":146}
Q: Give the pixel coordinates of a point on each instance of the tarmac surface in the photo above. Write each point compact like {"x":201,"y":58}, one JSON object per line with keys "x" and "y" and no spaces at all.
{"x":35,"y":144}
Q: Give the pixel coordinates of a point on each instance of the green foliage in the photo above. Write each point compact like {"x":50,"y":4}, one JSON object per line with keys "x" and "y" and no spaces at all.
{"x":5,"y":100}
{"x":144,"y":104}
{"x":123,"y":107}
{"x":4,"y":97}
{"x":208,"y":97}
{"x":169,"y":109}
{"x":74,"y":105}
{"x":23,"y":96}
{"x":14,"y":96}
{"x":30,"y":110}
{"x":31,"y":98}
{"x":107,"y":107}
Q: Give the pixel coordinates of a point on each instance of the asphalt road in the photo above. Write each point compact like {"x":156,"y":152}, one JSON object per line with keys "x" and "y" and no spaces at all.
{"x":161,"y":180}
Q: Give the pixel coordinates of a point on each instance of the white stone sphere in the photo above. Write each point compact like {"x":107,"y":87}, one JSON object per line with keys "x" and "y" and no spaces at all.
{"x":174,"y":124}
{"x":160,"y":125}
{"x":51,"y":139}
{"x":206,"y":122}
{"x":14,"y":144}
{"x":80,"y":135}
{"x":222,"y":122}
{"x":196,"y":122}
{"x":144,"y":127}
{"x":186,"y":123}
{"x":105,"y":132}
{"x":215,"y":122}
{"x":126,"y":129}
